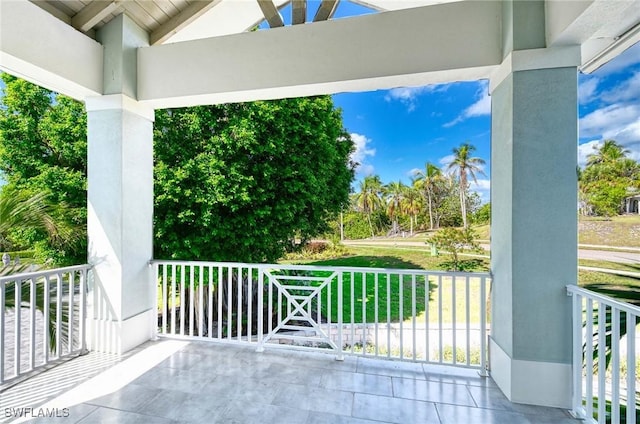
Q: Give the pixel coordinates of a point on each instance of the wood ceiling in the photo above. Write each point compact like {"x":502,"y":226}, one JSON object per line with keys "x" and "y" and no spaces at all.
{"x":163,"y":18}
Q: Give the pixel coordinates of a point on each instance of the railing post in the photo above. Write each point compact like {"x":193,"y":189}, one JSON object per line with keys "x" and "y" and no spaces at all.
{"x":2,"y":341}
{"x":260,"y":347}
{"x":576,"y":318}
{"x":154,"y":299}
{"x":83,"y":311}
{"x":340,"y":356}
{"x":484,"y":364}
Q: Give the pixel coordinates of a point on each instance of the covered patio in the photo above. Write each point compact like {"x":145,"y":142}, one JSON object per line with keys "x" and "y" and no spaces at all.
{"x":126,"y":59}
{"x":179,"y":381}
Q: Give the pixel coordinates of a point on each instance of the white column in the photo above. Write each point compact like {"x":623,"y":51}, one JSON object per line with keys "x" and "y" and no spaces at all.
{"x":120,"y":191}
{"x":534,"y":226}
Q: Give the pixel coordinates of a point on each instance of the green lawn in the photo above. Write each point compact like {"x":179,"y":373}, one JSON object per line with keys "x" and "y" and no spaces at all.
{"x":363,"y":308}
{"x":625,"y":288}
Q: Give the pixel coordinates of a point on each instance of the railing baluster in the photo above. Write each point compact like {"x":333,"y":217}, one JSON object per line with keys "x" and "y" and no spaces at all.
{"x":375,"y":313}
{"x":483,"y":326}
{"x":165,"y":304}
{"x":401,"y":312}
{"x":365,"y":330}
{"x":182,"y":298}
{"x":440,"y":329}
{"x":2,"y":341}
{"x":577,"y":358}
{"x":210,"y":304}
{"x":588,"y":356}
{"x":173,"y":299}
{"x":454,"y":320}
{"x":631,"y":367}
{"x":352,"y":310}
{"x":70,"y":311}
{"x":340,"y":307}
{"x":467,"y":321}
{"x":192,"y":299}
{"x":229,"y":302}
{"x":45,"y":313}
{"x":239,"y":308}
{"x":249,"y":303}
{"x":615,"y":362}
{"x":270,"y":310}
{"x":201,"y":301}
{"x":32,"y":323}
{"x":413,"y":314}
{"x":219,"y":290}
{"x":59,"y":295}
{"x":427,"y":290}
{"x":388,"y":315}
{"x":260,"y":305}
{"x":17,"y":326}
{"x":83,"y":310}
{"x":602,"y":313}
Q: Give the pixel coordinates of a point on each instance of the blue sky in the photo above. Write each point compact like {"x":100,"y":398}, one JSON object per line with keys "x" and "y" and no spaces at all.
{"x":397,"y":131}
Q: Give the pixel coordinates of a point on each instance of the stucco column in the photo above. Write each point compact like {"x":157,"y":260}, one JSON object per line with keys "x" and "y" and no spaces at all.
{"x":533,"y":225}
{"x":120,"y":190}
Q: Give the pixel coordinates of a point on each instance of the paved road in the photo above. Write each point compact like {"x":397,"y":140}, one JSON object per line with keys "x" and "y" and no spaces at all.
{"x":601,"y":255}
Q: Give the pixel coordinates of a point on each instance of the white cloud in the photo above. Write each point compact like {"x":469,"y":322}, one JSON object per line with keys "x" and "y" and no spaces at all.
{"x":628,"y":58}
{"x":408,"y":95}
{"x":481,"y":107}
{"x":586,"y":149}
{"x":611,"y":122}
{"x":361,"y":153}
{"x":413,"y":172}
{"x":587,"y":89}
{"x":617,"y":122}
{"x":445,"y":161}
{"x":482,"y":187}
{"x":628,"y":90}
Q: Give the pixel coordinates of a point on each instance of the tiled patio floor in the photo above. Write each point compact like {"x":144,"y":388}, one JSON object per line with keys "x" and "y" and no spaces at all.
{"x":193,"y":382}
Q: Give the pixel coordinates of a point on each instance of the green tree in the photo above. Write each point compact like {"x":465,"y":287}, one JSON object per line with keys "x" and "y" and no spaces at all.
{"x":43,"y":147}
{"x":368,"y":198}
{"x":465,"y":165}
{"x":394,"y":193}
{"x":429,"y":180}
{"x":454,"y":241}
{"x":412,"y":204}
{"x":607,"y":179}
{"x":239,"y":182}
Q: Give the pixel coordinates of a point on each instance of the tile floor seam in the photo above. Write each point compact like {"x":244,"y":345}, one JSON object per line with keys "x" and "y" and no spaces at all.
{"x":120,"y":410}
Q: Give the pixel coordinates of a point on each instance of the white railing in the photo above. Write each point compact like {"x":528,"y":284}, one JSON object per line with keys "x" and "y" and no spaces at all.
{"x":604,"y":358}
{"x":414,"y":315}
{"x":42,"y":319}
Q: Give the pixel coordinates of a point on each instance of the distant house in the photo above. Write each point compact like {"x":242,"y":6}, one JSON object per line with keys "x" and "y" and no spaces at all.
{"x":632,"y":204}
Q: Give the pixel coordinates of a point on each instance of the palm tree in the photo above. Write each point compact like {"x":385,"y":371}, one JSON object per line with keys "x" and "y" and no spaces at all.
{"x":464,"y":165}
{"x":18,"y":211}
{"x":428,"y":180}
{"x":368,"y":197}
{"x":394,"y":192}
{"x":609,"y":152}
{"x":411,"y":203}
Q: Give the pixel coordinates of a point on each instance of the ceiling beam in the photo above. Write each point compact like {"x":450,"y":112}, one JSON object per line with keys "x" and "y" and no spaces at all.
{"x":223,"y":69}
{"x":92,"y":14}
{"x":271,"y":14}
{"x":40,"y":48}
{"x":326,"y":10}
{"x":299,"y":12}
{"x":184,"y":18}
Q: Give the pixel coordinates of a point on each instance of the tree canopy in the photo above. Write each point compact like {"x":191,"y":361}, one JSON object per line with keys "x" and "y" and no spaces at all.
{"x":239,"y":182}
{"x":43,"y":147}
{"x":609,"y":176}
